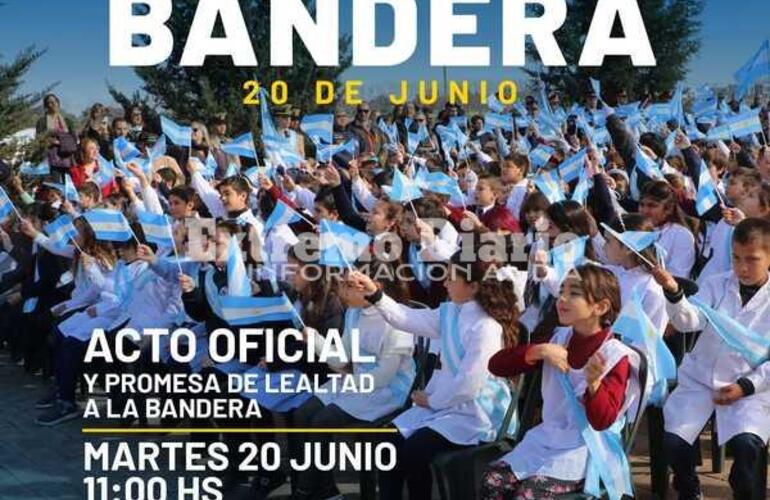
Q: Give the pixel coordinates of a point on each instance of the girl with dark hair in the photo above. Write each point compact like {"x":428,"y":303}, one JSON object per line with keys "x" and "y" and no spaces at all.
{"x":660,"y":205}
{"x":552,"y":458}
{"x":448,"y":415}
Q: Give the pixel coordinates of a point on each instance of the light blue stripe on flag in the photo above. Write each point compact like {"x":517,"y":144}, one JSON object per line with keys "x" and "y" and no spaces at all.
{"x":240,"y":311}
{"x":61,"y":231}
{"x":241,"y":146}
{"x":178,"y":134}
{"x":281,"y":214}
{"x":745,"y":124}
{"x":549,"y":184}
{"x":109,"y":225}
{"x":156,"y":227}
{"x":319,"y":128}
{"x":707,"y":197}
{"x":570,"y":169}
{"x":341,"y":245}
{"x":404,"y":189}
{"x":30,"y":170}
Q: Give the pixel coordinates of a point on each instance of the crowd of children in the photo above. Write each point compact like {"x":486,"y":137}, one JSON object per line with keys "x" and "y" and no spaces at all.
{"x":592,"y":245}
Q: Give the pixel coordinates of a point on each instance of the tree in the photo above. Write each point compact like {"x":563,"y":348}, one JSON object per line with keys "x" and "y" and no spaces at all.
{"x":673,"y":28}
{"x":16,"y":109}
{"x":197,"y":93}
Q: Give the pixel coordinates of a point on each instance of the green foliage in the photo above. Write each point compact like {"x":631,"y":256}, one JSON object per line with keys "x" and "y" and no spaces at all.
{"x":673,"y":27}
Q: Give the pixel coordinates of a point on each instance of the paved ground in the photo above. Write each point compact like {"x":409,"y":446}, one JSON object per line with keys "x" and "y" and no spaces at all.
{"x":47,"y":463}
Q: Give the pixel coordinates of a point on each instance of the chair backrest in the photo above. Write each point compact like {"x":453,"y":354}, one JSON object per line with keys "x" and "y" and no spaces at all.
{"x":632,"y":427}
{"x":512,"y":412}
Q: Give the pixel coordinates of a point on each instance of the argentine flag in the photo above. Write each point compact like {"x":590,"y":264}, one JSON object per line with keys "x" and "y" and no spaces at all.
{"x":281,"y":214}
{"x":707,"y":196}
{"x":720,"y":133}
{"x":268,"y":127}
{"x":494,"y":104}
{"x":549,"y":184}
{"x":319,"y":128}
{"x":29,"y":170}
{"x":494,"y":121}
{"x":157,"y":228}
{"x":254,"y":172}
{"x":570,"y":169}
{"x":106,"y":172}
{"x":404,"y":189}
{"x":239,"y":311}
{"x":439,"y":182}
{"x":340,"y":244}
{"x":754,"y":347}
{"x":6,"y":206}
{"x":745,"y":124}
{"x":580,"y":194}
{"x":415,"y":138}
{"x":756,"y":67}
{"x":241,"y":146}
{"x":636,"y":329}
{"x":541,"y":155}
{"x":109,"y":225}
{"x":238,"y":284}
{"x":326,"y":153}
{"x":280,"y":151}
{"x":647,"y":166}
{"x":125,"y":150}
{"x":390,"y":131}
{"x":178,"y":134}
{"x":158,"y":149}
{"x":565,"y":257}
{"x":61,"y":231}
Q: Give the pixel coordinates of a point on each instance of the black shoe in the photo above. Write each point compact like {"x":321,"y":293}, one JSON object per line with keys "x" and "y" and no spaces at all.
{"x":62,"y":411}
{"x":47,"y":401}
{"x":262,"y":485}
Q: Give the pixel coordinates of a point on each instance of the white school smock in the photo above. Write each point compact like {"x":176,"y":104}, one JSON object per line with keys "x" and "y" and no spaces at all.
{"x":152,"y":303}
{"x":720,"y":243}
{"x":89,"y":281}
{"x":454,"y":410}
{"x":712,"y":364}
{"x":556,"y":448}
{"x":653,"y":299}
{"x":81,"y":325}
{"x":516,"y":197}
{"x":679,"y":244}
{"x":393,"y":372}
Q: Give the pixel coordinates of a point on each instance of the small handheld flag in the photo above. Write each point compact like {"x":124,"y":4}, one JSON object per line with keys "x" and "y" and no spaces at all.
{"x":238,"y":284}
{"x":109,"y":225}
{"x":565,"y":257}
{"x":319,"y":128}
{"x":541,"y":155}
{"x":6,"y":205}
{"x":178,"y":134}
{"x":404,"y":189}
{"x":549,"y":184}
{"x":707,"y":196}
{"x":61,"y":231}
{"x":570,"y":169}
{"x":29,"y":170}
{"x":281,"y":214}
{"x":340,"y":244}
{"x":157,"y":228}
{"x":125,"y":150}
{"x":241,"y":146}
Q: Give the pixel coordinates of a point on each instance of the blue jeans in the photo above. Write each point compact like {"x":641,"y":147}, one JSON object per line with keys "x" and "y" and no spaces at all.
{"x":682,"y":458}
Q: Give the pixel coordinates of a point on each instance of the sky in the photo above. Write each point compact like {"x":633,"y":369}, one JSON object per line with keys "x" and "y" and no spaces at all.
{"x":75,"y":34}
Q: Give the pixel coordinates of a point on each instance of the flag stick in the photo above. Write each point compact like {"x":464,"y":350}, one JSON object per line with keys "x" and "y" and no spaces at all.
{"x":417,"y":217}
{"x":78,"y":246}
{"x":173,"y":245}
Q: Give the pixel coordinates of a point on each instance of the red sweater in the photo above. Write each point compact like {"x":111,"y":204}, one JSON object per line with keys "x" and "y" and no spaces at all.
{"x":603,"y":407}
{"x":79,"y":177}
